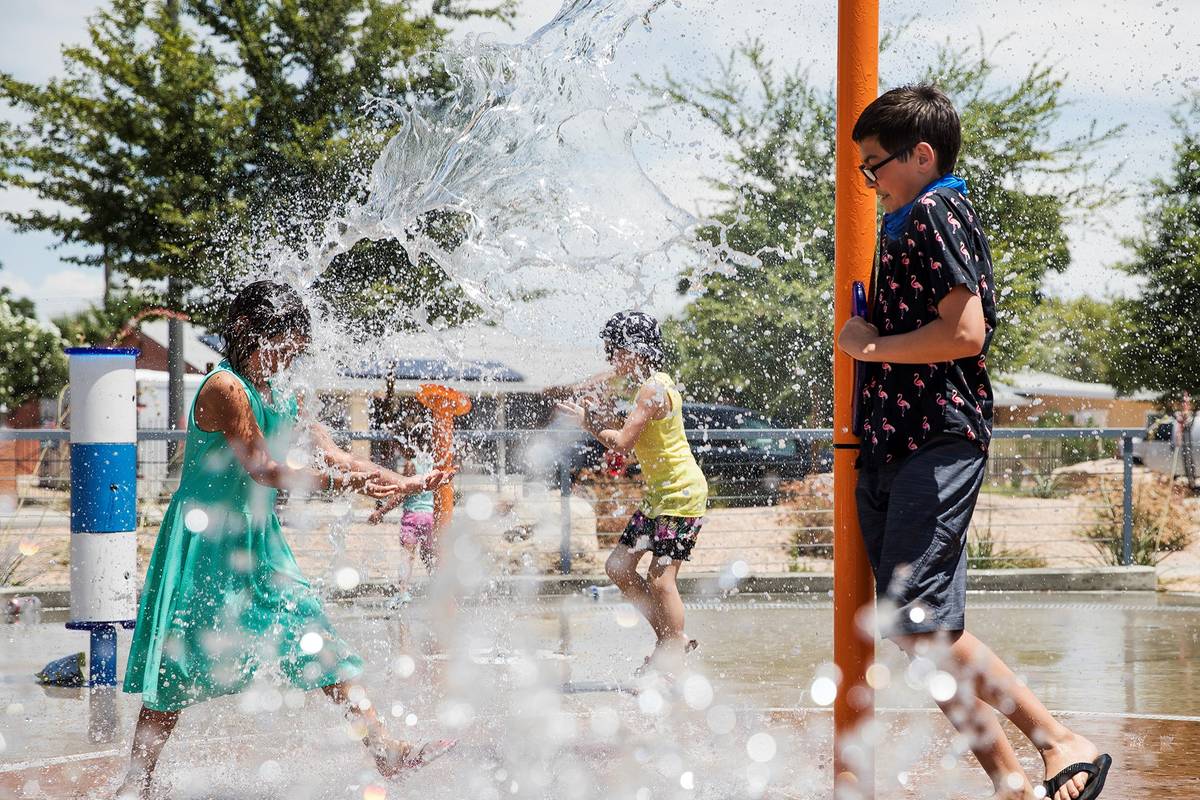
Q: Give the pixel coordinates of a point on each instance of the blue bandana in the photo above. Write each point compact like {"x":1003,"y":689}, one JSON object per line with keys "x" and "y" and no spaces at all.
{"x":894,"y":222}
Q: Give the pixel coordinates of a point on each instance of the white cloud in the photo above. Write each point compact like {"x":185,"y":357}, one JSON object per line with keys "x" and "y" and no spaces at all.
{"x":16,"y":284}
{"x":60,"y":292}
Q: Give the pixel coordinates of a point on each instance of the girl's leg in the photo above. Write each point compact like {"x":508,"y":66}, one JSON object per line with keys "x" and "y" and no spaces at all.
{"x":667,"y":606}
{"x":392,"y":756}
{"x":621,"y":569}
{"x":152,"y":731}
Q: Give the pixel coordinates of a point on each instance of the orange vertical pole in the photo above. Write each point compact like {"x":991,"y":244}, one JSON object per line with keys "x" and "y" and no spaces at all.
{"x":444,"y":405}
{"x":854,"y":249}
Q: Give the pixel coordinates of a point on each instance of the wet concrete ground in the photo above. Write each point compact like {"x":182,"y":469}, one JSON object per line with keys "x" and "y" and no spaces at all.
{"x":1122,"y":670}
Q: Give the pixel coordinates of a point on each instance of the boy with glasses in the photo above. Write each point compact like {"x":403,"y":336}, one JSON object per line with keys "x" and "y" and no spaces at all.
{"x":925,"y":418}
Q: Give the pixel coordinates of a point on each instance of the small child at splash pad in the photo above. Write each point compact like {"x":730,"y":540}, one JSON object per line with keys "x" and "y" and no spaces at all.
{"x":223,"y":596}
{"x":925,"y":418}
{"x":419,"y":526}
{"x":672,"y":511}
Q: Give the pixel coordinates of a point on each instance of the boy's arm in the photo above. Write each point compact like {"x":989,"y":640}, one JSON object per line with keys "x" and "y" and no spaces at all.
{"x":958,"y":332}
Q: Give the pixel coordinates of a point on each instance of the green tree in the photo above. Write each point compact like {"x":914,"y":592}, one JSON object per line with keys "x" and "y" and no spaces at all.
{"x":1158,"y":348}
{"x":99,"y":326}
{"x":1077,"y":338}
{"x":32,"y":362}
{"x":763,"y":337}
{"x":179,"y":117}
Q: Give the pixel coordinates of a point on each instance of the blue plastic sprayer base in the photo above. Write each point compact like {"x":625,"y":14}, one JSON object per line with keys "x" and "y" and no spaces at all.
{"x":102,"y":677}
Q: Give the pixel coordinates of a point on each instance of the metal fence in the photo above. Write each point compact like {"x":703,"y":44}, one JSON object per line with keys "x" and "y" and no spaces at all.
{"x":1053,"y":497}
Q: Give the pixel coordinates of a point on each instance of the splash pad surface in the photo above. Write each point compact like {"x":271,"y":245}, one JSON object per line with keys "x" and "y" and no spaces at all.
{"x":743,"y":722}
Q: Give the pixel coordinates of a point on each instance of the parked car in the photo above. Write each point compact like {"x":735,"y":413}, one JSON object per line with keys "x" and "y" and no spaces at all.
{"x":1160,"y":449}
{"x":755,"y":463}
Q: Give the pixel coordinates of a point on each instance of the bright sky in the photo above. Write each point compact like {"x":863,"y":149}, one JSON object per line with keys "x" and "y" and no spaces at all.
{"x":1122,"y":61}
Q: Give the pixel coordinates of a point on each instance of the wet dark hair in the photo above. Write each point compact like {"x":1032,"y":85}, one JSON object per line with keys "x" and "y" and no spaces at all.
{"x":908,"y":115}
{"x":262,"y":311}
{"x":637,"y":332}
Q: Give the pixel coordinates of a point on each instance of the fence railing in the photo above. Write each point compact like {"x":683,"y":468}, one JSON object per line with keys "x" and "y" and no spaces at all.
{"x":547,"y":506}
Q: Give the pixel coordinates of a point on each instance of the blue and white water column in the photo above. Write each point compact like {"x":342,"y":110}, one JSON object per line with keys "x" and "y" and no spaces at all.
{"x":103,"y":515}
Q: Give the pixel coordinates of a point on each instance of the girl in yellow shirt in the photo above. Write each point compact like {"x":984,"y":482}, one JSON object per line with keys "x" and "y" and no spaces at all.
{"x":669,"y":519}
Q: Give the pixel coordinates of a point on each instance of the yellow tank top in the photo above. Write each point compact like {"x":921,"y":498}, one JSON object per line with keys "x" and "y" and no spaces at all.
{"x":675,"y":486}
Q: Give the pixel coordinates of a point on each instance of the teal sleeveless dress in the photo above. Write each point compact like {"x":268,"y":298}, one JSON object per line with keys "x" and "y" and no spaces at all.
{"x":224,"y":597}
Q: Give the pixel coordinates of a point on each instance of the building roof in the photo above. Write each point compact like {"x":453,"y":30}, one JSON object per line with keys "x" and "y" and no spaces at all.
{"x":1031,"y":383}
{"x":198,"y":352}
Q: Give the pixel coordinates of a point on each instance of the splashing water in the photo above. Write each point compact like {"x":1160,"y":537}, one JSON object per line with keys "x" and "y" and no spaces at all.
{"x":535,"y":151}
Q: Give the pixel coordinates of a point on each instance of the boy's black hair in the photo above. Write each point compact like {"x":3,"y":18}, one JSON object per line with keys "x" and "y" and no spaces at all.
{"x":908,"y":115}
{"x":262,"y":311}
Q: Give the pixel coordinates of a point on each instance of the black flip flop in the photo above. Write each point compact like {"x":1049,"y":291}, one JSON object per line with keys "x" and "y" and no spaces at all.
{"x":1097,"y":771}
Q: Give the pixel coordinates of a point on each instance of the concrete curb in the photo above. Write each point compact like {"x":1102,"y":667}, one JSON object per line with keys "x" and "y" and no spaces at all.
{"x":1097,"y":579}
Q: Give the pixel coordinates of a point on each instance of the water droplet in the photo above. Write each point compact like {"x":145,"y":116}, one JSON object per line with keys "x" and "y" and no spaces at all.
{"x":196,"y":520}
{"x":740,"y":569}
{"x":410,"y":720}
{"x":405,"y":666}
{"x":650,"y":701}
{"x":28,"y":547}
{"x":916,"y":614}
{"x":721,"y":719}
{"x":347,"y":578}
{"x":479,"y":506}
{"x":697,"y":692}
{"x":688,"y":781}
{"x":312,"y":642}
{"x":297,"y":458}
{"x":942,"y":687}
{"x":879,"y":676}
{"x":626,"y":614}
{"x":761,"y":747}
{"x":823,"y":691}
{"x":1015,"y":781}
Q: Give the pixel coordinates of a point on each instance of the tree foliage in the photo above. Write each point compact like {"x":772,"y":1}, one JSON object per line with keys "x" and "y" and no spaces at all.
{"x":182,"y":125}
{"x":32,"y":362}
{"x":1158,"y":349}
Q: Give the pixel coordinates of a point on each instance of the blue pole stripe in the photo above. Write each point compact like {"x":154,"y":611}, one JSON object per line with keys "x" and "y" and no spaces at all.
{"x":103,"y":488}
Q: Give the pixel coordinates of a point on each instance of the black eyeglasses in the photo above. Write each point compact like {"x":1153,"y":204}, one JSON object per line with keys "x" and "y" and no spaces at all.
{"x":870,"y":172}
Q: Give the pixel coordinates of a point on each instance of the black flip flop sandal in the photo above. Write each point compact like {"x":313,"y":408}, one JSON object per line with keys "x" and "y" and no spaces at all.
{"x":1096,"y":771}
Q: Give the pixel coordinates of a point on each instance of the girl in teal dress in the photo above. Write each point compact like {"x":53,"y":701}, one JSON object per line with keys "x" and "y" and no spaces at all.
{"x":223,"y":595}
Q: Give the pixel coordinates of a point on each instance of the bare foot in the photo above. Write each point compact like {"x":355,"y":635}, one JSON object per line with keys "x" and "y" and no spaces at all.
{"x":1072,"y":750}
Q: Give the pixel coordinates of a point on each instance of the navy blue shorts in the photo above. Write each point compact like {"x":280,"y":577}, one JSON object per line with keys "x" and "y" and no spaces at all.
{"x":914,"y":517}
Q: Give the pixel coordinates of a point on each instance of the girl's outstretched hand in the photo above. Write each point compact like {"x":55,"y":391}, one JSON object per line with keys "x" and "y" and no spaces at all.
{"x":399,"y":490}
{"x":436,"y":478}
{"x":574,"y":412}
{"x":363,"y":482}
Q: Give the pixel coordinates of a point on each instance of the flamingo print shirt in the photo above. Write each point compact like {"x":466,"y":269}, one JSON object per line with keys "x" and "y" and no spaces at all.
{"x":903,"y":405}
